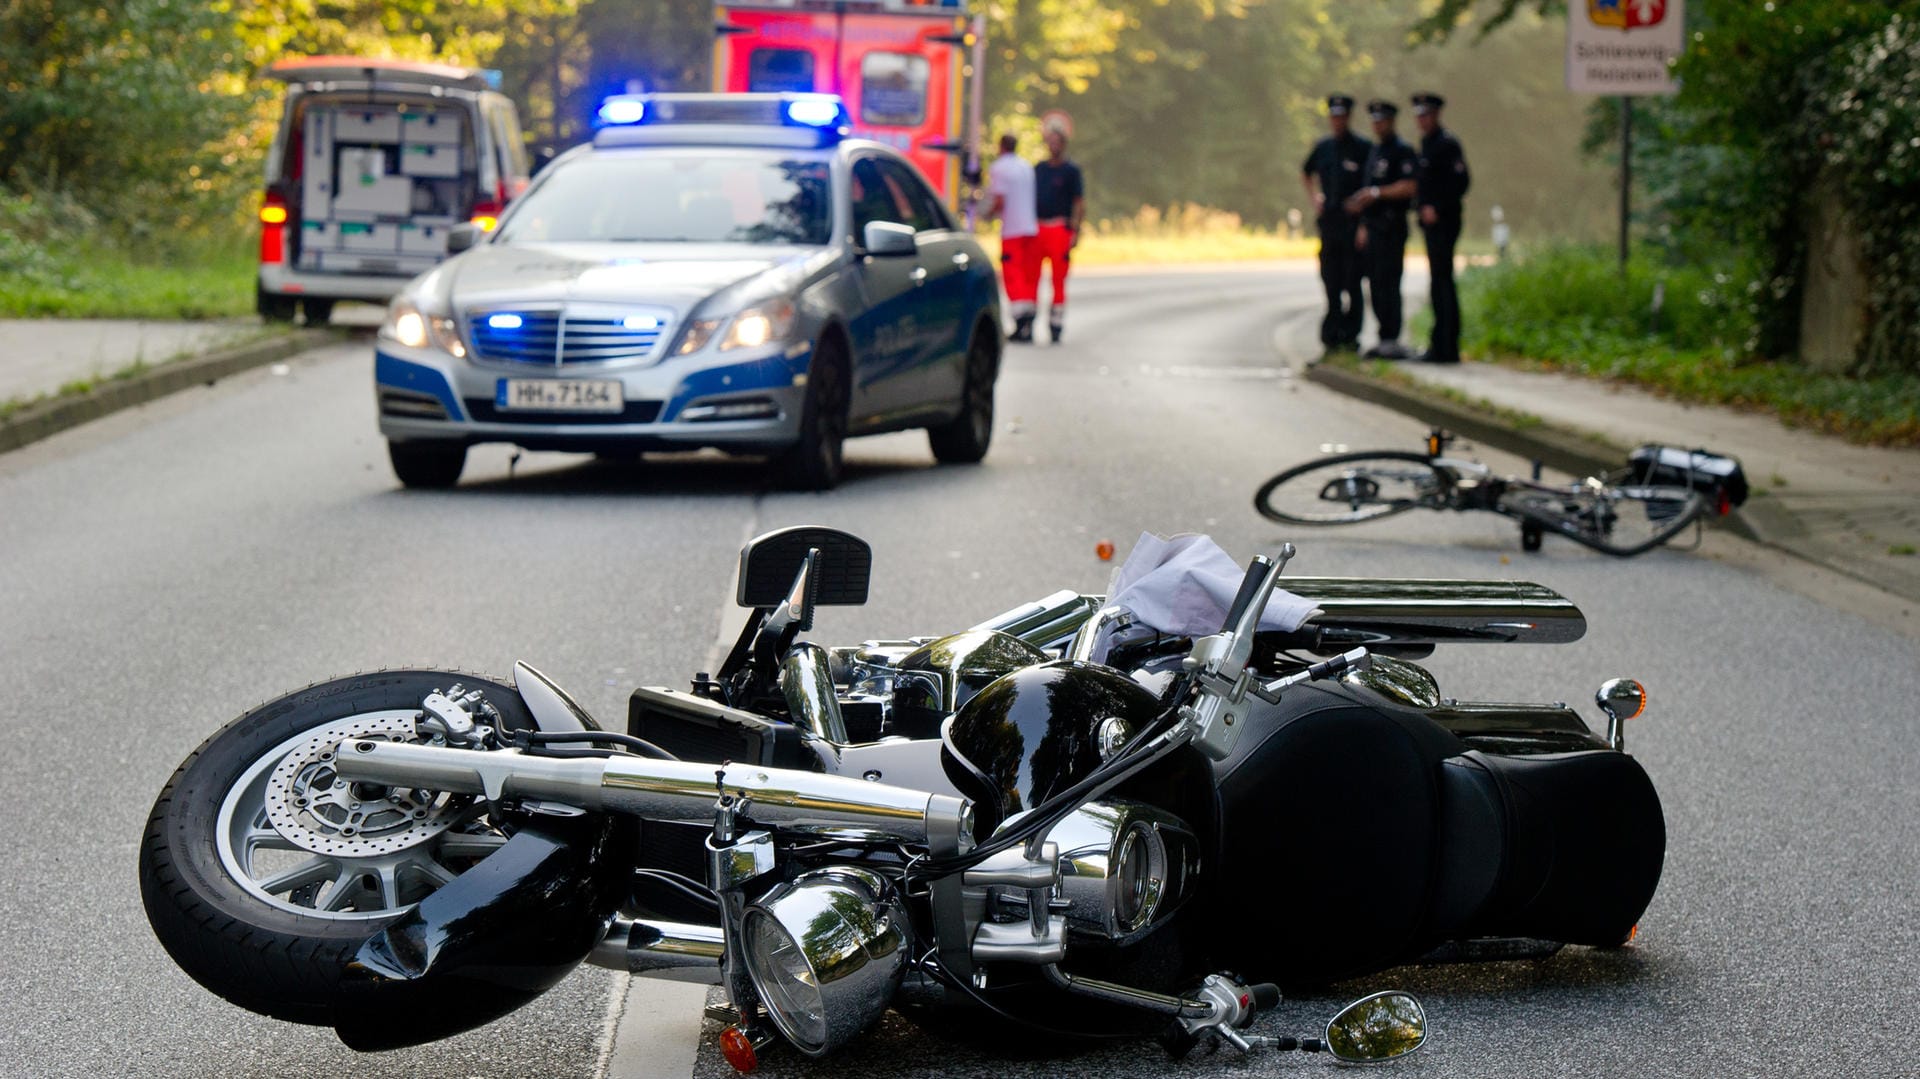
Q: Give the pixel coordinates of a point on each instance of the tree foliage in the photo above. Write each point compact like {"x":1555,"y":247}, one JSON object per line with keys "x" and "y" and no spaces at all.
{"x":127,"y":108}
{"x":1780,"y":101}
{"x":1177,"y":102}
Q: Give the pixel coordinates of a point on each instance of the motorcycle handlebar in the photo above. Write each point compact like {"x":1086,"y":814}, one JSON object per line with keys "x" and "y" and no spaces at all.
{"x":1250,"y":588}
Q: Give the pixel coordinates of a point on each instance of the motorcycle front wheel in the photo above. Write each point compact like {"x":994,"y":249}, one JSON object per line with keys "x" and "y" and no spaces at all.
{"x":263,"y":872}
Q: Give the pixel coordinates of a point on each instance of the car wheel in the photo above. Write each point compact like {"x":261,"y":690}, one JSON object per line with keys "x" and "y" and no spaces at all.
{"x":317,"y":311}
{"x":964,"y":439}
{"x":273,"y":307}
{"x":814,"y":462}
{"x":427,"y":464}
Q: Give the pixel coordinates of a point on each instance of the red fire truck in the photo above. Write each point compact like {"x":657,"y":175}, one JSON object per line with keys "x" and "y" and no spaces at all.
{"x":909,"y":70}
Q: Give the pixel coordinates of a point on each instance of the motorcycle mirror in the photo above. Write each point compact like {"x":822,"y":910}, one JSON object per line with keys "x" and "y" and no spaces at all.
{"x":1621,"y":699}
{"x":1377,"y":1028}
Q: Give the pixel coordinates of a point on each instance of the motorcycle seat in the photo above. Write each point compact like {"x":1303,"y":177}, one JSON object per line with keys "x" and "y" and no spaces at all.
{"x":1584,"y":840}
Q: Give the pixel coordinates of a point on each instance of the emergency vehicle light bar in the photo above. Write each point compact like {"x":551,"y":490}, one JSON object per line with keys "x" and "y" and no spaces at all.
{"x":825,"y":113}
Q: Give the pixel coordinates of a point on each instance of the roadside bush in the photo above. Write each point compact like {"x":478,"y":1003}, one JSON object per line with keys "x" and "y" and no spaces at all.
{"x":1572,"y":299}
{"x":32,"y":229}
{"x":1569,"y":308}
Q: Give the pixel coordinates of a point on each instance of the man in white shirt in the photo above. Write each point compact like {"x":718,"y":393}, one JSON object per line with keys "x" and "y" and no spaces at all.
{"x":1010,"y":180}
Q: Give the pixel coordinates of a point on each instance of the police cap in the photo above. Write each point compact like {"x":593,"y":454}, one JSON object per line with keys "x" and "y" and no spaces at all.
{"x":1339,"y":104}
{"x":1424,"y":103}
{"x":1382,"y":109}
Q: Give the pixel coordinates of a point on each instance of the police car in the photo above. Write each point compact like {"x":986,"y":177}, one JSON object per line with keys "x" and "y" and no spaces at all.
{"x":712,"y":270}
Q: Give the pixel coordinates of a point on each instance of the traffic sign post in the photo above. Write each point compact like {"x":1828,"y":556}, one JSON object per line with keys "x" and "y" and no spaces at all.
{"x":1627,"y":48}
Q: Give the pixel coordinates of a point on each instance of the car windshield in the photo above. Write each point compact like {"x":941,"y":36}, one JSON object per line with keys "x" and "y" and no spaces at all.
{"x":666,"y":196}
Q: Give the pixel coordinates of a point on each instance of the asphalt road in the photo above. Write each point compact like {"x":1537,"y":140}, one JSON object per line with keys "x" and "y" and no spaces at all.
{"x":168,"y":568}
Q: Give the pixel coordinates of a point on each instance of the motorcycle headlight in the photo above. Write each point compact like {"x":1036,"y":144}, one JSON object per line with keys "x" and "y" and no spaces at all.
{"x":406,"y":324}
{"x":825,"y":954}
{"x":759,"y":325}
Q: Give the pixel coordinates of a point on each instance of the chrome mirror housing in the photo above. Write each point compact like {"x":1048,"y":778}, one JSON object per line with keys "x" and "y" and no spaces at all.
{"x":1377,"y":1028}
{"x":1621,"y":699}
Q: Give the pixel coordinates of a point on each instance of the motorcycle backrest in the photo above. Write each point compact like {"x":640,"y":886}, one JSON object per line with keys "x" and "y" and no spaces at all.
{"x":769,"y":562}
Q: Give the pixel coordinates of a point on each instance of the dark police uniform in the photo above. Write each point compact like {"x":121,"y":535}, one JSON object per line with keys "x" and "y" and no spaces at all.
{"x":1443,"y":179}
{"x":1339,"y":164}
{"x":1386,"y":220}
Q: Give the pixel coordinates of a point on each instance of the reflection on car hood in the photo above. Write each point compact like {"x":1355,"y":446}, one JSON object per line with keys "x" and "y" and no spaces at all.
{"x":676,"y":275}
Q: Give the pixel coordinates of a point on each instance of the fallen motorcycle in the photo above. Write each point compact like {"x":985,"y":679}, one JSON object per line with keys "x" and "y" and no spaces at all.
{"x":1143,"y":814}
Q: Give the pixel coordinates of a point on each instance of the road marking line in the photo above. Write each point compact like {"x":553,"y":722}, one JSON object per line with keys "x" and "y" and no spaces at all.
{"x":657,"y":1033}
{"x":653,"y":1024}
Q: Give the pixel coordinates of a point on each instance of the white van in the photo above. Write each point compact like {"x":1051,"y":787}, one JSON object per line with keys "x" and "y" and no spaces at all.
{"x":373,"y":162}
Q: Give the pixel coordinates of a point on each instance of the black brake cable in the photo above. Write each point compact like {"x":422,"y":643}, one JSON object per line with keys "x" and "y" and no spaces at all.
{"x":530,"y":739}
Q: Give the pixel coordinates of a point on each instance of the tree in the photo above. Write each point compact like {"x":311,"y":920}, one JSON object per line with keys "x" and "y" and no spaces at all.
{"x":126,"y":107}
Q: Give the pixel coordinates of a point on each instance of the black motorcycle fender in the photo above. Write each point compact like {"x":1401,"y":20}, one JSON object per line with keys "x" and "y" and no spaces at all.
{"x":551,"y":707}
{"x":493,"y":939}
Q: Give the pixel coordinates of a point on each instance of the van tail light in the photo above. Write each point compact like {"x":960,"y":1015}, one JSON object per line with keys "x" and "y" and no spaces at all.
{"x":486,"y":212}
{"x":273,"y":229}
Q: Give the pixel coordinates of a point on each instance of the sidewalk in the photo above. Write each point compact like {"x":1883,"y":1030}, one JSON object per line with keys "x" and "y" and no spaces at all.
{"x":58,"y":373}
{"x":1854,"y":509}
{"x":39,"y":356}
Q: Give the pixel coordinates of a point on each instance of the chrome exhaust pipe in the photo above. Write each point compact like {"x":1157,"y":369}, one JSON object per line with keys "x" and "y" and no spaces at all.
{"x":667,"y":790}
{"x":642,"y":947}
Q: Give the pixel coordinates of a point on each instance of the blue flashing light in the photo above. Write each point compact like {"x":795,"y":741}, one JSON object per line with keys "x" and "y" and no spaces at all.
{"x":504,"y":322}
{"x":815,"y":110}
{"x":623,"y":110}
{"x":640,"y":322}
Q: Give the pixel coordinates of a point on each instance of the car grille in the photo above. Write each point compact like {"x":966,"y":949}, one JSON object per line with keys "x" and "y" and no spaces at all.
{"x":571,"y":335}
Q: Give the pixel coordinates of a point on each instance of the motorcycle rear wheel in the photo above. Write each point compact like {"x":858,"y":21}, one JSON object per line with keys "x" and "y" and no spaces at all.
{"x":270,"y":923}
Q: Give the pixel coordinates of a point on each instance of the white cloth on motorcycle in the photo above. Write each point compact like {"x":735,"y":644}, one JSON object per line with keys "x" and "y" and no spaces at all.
{"x":1183,"y":585}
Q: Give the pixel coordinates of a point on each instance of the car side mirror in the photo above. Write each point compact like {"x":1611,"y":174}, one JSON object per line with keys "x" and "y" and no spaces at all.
{"x":462,"y":236}
{"x":885,"y":239}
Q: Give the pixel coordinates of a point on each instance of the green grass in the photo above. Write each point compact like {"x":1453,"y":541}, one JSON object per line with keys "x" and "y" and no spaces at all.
{"x":106,"y":284}
{"x":1569,"y":309}
{"x":59,"y":259}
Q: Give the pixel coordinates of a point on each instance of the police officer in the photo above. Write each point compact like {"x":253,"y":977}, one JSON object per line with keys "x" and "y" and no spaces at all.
{"x":1333,"y":171}
{"x":1382,"y":237}
{"x":1442,"y":180}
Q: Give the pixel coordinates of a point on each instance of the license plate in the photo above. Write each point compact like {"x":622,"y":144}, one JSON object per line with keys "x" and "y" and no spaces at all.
{"x":559,"y":395}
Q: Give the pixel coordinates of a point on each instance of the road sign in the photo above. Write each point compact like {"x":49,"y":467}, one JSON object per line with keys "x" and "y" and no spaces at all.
{"x":1623,"y":46}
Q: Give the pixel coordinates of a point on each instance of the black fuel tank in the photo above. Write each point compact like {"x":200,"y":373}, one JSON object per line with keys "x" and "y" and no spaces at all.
{"x":1037,"y":731}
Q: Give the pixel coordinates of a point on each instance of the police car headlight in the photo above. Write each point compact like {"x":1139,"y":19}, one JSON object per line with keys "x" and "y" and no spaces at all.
{"x":407,"y":325}
{"x":826,"y":953}
{"x":758,"y":325}
{"x":696,"y":335}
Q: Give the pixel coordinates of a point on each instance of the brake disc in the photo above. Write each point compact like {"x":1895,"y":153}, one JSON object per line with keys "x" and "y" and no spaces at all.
{"x":308,"y":803}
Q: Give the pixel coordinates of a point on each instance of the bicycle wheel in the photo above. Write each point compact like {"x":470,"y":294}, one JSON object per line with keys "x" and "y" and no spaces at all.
{"x":1348,"y":488}
{"x":1623,"y":520}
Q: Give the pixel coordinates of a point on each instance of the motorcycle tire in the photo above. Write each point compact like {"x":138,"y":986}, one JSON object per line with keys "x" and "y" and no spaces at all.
{"x":232,"y":930}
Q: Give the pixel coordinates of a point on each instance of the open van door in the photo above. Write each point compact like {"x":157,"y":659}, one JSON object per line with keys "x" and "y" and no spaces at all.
{"x":373,"y":164}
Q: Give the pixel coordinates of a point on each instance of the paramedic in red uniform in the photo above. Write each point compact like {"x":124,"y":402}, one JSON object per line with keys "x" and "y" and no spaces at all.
{"x":1011,"y":180}
{"x":1061,"y":204}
